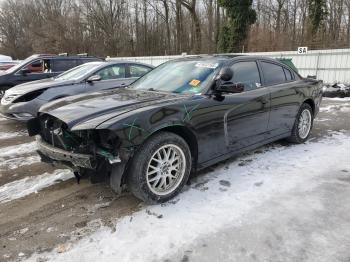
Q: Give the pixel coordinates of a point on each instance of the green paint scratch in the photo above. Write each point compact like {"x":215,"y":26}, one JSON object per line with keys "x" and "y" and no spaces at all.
{"x":132,"y":127}
{"x":188,"y":115}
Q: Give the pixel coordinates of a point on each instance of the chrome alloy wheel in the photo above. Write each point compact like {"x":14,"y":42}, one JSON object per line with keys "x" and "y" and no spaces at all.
{"x":166,"y":169}
{"x":305,"y":123}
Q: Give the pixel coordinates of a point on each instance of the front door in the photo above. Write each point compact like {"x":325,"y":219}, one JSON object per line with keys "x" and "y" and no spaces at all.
{"x":246,"y":121}
{"x":111,"y":77}
{"x":35,"y":70}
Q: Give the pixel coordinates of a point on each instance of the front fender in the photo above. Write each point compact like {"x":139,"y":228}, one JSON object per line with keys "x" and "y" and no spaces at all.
{"x":135,"y":128}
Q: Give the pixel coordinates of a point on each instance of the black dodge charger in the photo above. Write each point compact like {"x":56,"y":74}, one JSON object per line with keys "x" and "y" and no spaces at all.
{"x":183,"y":116}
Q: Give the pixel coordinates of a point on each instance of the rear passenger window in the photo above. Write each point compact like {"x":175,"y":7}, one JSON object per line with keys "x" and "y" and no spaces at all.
{"x":246,"y":73}
{"x":138,"y":70}
{"x":112,"y":72}
{"x":59,"y":65}
{"x":289,"y":75}
{"x":273,"y":74}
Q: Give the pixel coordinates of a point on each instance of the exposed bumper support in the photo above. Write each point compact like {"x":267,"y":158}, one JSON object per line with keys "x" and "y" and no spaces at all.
{"x":56,"y":154}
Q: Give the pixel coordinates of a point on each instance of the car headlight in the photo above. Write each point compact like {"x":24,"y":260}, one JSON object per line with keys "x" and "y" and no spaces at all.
{"x":8,"y":98}
{"x":23,"y":115}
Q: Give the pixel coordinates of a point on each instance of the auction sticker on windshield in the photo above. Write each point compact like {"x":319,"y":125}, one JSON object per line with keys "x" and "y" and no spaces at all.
{"x":207,"y":65}
{"x":194,"y":82}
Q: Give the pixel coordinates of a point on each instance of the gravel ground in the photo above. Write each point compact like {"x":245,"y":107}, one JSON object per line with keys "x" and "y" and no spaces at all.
{"x":44,"y":214}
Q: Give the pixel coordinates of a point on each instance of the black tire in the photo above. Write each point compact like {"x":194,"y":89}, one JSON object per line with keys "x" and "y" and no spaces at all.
{"x":295,"y":136}
{"x":137,"y":178}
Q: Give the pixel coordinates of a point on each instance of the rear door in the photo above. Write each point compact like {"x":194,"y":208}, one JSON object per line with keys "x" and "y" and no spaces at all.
{"x":60,"y":65}
{"x":283,"y":84}
{"x":246,"y":121}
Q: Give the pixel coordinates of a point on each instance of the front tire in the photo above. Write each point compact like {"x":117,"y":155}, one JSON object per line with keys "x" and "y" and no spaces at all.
{"x":160,"y":168}
{"x":303,"y":125}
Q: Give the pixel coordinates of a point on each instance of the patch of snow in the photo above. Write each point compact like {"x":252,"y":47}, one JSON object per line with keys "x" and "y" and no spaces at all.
{"x":17,"y":162}
{"x":342,"y":86}
{"x":228,"y":193}
{"x":4,"y":135}
{"x":334,"y":108}
{"x":91,"y":227}
{"x":345,"y":99}
{"x":17,"y":150}
{"x":51,"y":229}
{"x":322,"y":120}
{"x":33,"y":184}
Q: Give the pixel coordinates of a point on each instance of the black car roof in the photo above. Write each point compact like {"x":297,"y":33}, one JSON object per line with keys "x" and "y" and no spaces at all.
{"x":224,"y":57}
{"x":120,"y":61}
{"x":52,"y":56}
{"x":227,"y":58}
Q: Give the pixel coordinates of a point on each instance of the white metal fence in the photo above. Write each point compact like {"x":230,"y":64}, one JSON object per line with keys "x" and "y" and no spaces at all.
{"x":332,"y":66}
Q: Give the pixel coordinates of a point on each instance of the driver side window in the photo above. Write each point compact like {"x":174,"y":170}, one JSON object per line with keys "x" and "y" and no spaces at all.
{"x":112,"y":72}
{"x":246,"y":73}
{"x":36,"y":66}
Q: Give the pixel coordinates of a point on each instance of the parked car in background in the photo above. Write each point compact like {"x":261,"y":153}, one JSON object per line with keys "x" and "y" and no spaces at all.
{"x":5,"y":58}
{"x":38,"y":67}
{"x":7,"y":65}
{"x":336,"y":90}
{"x":185,"y":115}
{"x":22,"y":102}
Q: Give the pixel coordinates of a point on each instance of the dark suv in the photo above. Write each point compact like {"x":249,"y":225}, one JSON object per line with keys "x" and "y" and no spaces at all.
{"x":38,"y":67}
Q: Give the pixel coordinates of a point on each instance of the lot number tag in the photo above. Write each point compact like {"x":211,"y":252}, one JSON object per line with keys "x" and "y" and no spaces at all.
{"x":302,"y":50}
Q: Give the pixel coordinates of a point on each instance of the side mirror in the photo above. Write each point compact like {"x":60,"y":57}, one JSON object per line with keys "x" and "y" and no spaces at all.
{"x":94,"y":78}
{"x":226,"y":74}
{"x":230,"y":87}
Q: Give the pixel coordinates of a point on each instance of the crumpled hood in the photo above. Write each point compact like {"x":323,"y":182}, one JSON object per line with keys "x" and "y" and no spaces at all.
{"x":88,"y":111}
{"x":38,"y":85}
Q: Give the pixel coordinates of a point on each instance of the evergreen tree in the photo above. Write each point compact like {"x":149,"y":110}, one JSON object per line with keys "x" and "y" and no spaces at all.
{"x":235,"y":31}
{"x":317,"y":14}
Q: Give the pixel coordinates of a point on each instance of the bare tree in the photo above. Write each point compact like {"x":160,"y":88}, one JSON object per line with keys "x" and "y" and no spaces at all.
{"x":190,"y":5}
{"x":158,"y":27}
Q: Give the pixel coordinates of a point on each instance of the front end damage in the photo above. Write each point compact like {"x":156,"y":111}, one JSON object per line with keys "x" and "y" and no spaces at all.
{"x":96,"y":154}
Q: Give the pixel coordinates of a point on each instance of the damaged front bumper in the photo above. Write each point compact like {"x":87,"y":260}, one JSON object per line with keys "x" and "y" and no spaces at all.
{"x":52,"y":154}
{"x":15,"y":112}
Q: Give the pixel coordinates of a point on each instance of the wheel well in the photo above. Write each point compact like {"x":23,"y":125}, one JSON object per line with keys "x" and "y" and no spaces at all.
{"x":311,"y":103}
{"x":188,"y":136}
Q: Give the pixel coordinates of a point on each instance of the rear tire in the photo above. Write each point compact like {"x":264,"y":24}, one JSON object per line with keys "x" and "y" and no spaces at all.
{"x":303,"y":125}
{"x":160,"y":168}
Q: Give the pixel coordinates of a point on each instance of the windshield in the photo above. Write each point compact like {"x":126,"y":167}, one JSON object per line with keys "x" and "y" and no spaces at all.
{"x":20,"y":65}
{"x":179,"y":77}
{"x":78,"y":72}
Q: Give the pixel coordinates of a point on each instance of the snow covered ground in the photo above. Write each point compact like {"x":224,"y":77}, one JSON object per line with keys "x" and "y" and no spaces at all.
{"x":32,"y":184}
{"x":4,"y":135}
{"x":278,"y":203}
{"x":223,"y":197}
{"x":18,"y":161}
{"x":17,"y":150}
